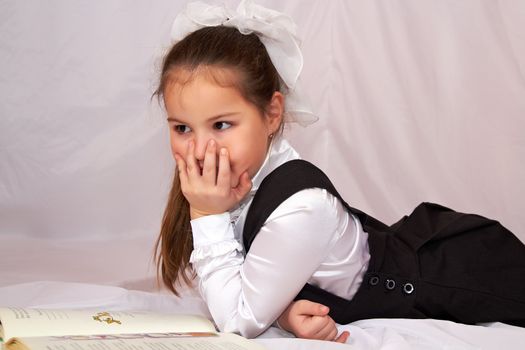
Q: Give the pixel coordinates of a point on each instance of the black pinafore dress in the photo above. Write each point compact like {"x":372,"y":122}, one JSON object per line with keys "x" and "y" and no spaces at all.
{"x":434,"y":263}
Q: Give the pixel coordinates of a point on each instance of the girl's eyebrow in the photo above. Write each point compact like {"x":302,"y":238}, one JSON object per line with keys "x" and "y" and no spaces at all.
{"x":171,"y":119}
{"x":223,"y":115}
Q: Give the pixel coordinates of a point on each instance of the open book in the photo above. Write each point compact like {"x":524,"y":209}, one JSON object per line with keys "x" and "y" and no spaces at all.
{"x":44,"y":329}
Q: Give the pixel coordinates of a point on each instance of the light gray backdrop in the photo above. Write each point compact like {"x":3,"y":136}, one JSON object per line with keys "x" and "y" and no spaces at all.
{"x":418,"y":101}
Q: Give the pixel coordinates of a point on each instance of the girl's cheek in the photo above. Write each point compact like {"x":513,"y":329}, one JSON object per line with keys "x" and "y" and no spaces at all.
{"x":172,"y":144}
{"x":174,"y":150}
{"x":178,"y":148}
{"x":173,"y":156}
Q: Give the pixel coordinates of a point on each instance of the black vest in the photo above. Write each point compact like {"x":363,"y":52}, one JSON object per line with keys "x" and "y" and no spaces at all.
{"x":434,"y":263}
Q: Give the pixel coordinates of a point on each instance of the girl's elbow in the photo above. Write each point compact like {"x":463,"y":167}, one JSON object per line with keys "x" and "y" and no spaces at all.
{"x":248,"y":330}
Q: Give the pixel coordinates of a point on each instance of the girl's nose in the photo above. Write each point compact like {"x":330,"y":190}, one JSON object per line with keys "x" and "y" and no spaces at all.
{"x":201,"y":144}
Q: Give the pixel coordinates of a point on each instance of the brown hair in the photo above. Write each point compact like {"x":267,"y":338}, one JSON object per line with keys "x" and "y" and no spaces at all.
{"x":256,"y":79}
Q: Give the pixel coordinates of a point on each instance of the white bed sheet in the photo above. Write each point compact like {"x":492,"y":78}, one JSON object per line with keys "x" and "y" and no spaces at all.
{"x":380,"y":334}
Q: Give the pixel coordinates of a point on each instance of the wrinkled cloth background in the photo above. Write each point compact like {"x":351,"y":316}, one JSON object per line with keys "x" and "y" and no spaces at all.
{"x":417,"y":100}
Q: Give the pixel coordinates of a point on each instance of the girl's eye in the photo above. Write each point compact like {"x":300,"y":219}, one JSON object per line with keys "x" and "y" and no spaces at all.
{"x":221,"y":125}
{"x":181,"y":129}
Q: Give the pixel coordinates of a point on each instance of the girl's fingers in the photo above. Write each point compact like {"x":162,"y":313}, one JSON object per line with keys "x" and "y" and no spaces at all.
{"x":332,"y":334}
{"x":343,"y":337}
{"x":245,"y":185}
{"x":310,"y":308}
{"x":331,"y":330}
{"x":181,"y":167}
{"x":328,"y":330}
{"x":209,"y":170}
{"x":191,"y":162}
{"x":224,"y":174}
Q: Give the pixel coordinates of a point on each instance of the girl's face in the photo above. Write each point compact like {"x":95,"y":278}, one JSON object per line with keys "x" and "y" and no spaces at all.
{"x":201,"y":110}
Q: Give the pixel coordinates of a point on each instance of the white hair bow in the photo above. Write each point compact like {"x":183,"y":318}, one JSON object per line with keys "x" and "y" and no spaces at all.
{"x":276,"y":31}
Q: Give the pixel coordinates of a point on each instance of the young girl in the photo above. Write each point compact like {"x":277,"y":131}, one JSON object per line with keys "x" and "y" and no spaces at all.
{"x":260,"y":227}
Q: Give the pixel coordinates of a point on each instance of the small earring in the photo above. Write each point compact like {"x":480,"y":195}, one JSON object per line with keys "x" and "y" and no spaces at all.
{"x":270,"y":136}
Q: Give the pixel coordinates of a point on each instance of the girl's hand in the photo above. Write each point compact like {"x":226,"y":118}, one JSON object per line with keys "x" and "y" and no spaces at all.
{"x":306,"y":319}
{"x":208,"y":190}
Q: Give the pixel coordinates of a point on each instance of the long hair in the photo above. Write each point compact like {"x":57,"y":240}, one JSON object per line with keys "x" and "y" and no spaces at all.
{"x":255,"y":78}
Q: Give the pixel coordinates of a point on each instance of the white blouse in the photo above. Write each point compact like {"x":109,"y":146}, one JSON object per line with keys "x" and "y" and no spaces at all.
{"x":309,"y":238}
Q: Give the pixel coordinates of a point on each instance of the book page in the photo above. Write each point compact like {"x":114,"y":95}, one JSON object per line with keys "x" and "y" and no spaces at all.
{"x":21,"y":322}
{"x":144,"y":341}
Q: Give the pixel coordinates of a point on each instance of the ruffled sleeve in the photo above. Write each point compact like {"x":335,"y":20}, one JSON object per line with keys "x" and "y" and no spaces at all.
{"x":213,"y":243}
{"x":212,"y":236}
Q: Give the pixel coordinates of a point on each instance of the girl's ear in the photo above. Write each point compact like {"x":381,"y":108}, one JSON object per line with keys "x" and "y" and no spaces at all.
{"x":275,"y":112}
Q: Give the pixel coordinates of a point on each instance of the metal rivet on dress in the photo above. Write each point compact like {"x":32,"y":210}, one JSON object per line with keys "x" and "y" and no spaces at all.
{"x":373,"y":281}
{"x":408,"y":288}
{"x":390,"y":284}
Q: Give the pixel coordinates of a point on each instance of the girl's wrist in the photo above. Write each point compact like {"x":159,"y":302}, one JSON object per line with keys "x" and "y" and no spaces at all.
{"x":195,"y":213}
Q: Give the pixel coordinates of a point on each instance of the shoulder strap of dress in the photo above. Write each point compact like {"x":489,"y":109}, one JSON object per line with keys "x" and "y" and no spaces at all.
{"x":288,"y":179}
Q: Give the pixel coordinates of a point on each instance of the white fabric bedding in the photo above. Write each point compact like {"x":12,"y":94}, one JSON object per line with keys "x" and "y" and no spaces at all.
{"x":380,"y":334}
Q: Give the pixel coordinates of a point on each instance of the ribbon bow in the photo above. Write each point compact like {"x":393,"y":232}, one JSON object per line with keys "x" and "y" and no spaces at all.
{"x":277,"y":33}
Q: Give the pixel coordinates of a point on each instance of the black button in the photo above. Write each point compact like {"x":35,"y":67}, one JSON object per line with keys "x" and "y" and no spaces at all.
{"x":408,"y":288}
{"x":373,"y":281}
{"x":390,"y":284}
